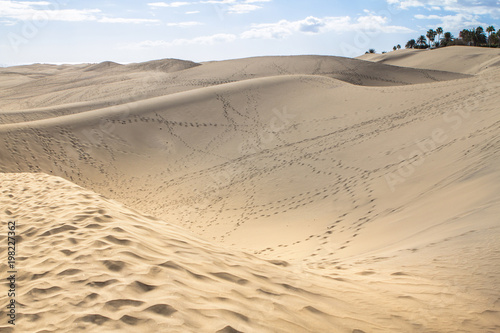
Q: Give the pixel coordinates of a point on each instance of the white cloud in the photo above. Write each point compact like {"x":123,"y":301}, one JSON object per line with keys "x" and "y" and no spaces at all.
{"x":282,"y":29}
{"x":474,"y":7}
{"x":453,"y":22}
{"x":28,"y":11}
{"x":277,"y":30}
{"x":171,"y":4}
{"x":314,"y":25}
{"x":36,"y":3}
{"x":242,"y":8}
{"x":218,"y":2}
{"x":202,"y":40}
{"x":7,"y":22}
{"x":237,"y":6}
{"x":126,"y":20}
{"x":461,"y":13}
{"x":193,"y":12}
{"x":405,"y":4}
{"x":184,"y":24}
{"x":218,"y":38}
{"x":13,"y":11}
{"x":231,"y":6}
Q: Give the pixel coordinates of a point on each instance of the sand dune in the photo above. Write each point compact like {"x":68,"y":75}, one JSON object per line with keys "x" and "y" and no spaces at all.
{"x":91,"y":264}
{"x":459,"y":59}
{"x":94,"y":265}
{"x":45,"y":85}
{"x":162,"y":65}
{"x":308,"y":194}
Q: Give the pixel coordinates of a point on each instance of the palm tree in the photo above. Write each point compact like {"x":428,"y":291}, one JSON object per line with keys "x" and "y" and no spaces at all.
{"x":398,"y":47}
{"x":431,"y":34}
{"x":411,"y":44}
{"x":478,"y":36}
{"x":421,"y":41}
{"x":439,"y":32}
{"x":489,"y":30}
{"x":447,"y":38}
{"x":394,"y":48}
{"x":466,"y":36}
{"x":371,"y":50}
{"x":493,"y":39}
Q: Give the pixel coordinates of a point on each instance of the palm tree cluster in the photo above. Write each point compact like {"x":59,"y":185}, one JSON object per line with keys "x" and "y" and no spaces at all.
{"x":473,"y":37}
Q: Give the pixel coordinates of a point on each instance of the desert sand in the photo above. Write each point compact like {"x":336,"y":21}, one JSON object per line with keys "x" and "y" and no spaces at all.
{"x":270,"y":194}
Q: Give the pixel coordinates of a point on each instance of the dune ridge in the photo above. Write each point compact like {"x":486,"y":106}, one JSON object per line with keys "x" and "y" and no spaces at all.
{"x":56,"y":85}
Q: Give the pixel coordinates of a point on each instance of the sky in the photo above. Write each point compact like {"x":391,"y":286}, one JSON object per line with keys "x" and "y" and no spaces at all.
{"x":125,"y":31}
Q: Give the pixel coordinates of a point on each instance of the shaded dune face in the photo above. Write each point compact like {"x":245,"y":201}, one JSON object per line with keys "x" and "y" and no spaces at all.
{"x":307,"y":193}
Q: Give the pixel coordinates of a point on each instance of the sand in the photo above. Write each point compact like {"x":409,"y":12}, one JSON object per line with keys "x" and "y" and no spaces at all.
{"x":272,"y":194}
{"x":458,"y":59}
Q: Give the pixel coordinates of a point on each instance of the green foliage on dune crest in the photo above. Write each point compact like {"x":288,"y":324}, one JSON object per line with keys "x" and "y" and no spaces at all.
{"x":471,"y":37}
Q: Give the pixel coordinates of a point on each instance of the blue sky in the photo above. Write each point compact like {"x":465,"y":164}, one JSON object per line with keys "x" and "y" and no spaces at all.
{"x":70,"y":31}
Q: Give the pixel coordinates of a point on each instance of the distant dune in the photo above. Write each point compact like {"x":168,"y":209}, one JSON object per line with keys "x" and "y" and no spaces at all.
{"x":459,"y":59}
{"x":289,"y":194}
{"x":48,"y":85}
{"x":163,"y":65}
{"x":103,"y":66}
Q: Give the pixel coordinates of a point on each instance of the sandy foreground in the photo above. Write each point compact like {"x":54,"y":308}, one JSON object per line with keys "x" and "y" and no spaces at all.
{"x":272,"y":194}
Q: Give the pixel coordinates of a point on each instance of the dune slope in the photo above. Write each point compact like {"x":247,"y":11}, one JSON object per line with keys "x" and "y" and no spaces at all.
{"x":89,"y":264}
{"x":459,"y":59}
